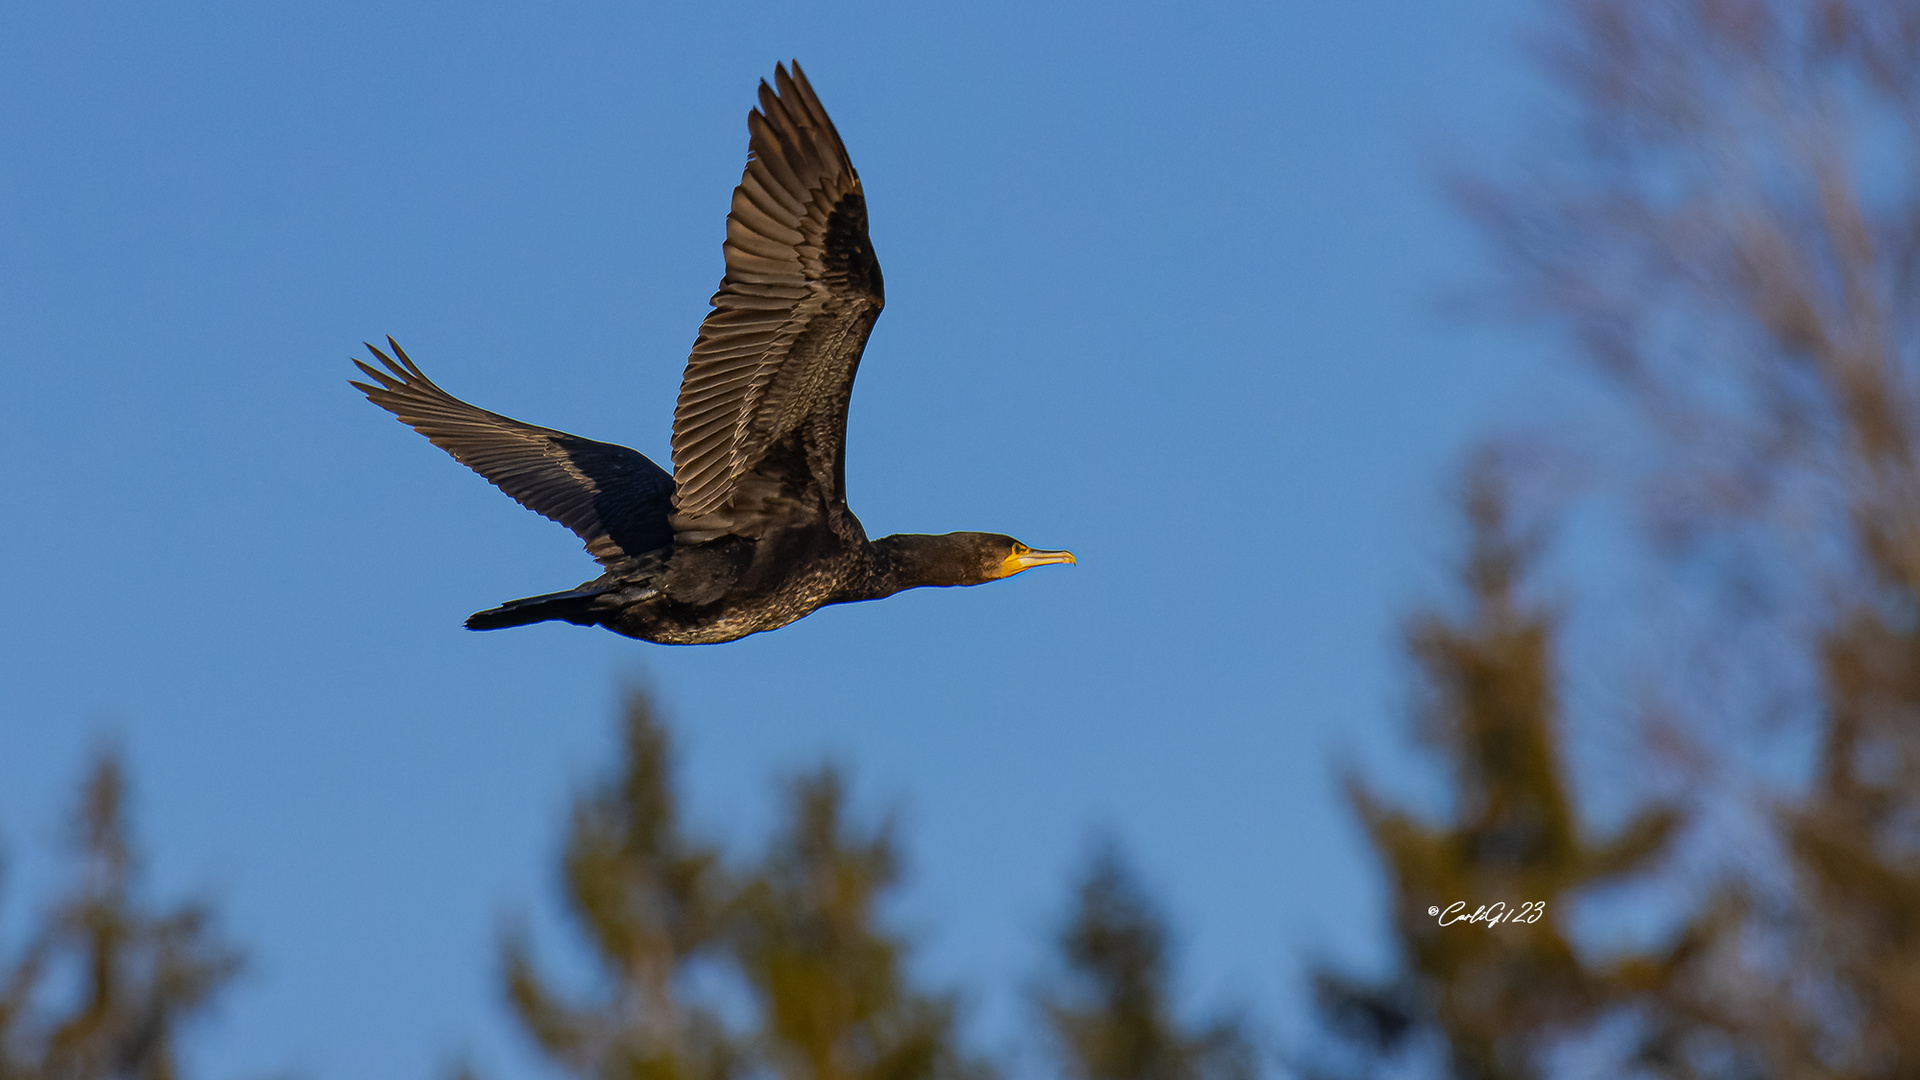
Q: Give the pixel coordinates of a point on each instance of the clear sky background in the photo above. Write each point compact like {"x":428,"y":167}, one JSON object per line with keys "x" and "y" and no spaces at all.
{"x":1164,"y":287}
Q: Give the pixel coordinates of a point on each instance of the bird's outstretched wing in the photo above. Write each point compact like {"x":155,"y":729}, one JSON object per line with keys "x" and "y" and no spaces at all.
{"x":613,"y":497}
{"x":763,"y":404}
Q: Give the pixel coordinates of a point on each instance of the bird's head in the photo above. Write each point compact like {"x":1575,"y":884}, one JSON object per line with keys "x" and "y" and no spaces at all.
{"x":962,"y":558}
{"x":1003,"y":556}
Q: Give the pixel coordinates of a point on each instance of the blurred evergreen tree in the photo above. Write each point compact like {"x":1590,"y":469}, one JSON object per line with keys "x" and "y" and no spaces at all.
{"x":1497,"y":991}
{"x":1854,"y":839}
{"x":653,"y":904}
{"x":834,"y":998}
{"x":800,"y":933}
{"x":103,"y":989}
{"x":1112,"y":1017}
{"x":1726,"y":228}
{"x":1855,"y":842}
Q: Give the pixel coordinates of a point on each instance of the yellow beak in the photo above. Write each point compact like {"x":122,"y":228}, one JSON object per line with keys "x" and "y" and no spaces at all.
{"x":1024,"y":557}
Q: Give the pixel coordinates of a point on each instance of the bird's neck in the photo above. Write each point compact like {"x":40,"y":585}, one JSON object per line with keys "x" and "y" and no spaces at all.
{"x":911,"y":561}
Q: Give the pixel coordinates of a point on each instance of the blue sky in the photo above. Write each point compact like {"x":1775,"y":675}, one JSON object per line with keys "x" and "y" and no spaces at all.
{"x":1164,"y":288}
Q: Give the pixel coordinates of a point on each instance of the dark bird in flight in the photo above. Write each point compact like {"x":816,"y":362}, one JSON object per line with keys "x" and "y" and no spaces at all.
{"x":752,"y":530}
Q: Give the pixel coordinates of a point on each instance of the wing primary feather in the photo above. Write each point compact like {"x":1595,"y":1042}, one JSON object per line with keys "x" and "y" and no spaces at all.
{"x":769,"y":155}
{"x":825,"y":139}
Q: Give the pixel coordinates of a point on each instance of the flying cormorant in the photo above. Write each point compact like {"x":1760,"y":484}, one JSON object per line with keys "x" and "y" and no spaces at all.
{"x":752,"y":530}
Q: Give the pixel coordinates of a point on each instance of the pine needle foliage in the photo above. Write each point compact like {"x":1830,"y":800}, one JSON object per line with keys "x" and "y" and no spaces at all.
{"x":1112,"y":1014}
{"x":1495,"y":992}
{"x":104,"y":988}
{"x":1855,"y":843}
{"x":652,"y":904}
{"x":834,"y":997}
{"x":800,"y":932}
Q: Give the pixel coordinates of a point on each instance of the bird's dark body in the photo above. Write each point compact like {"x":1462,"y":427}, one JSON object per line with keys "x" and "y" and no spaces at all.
{"x":695,"y":597}
{"x":742,"y":589}
{"x":726,"y":588}
{"x":751,"y":530}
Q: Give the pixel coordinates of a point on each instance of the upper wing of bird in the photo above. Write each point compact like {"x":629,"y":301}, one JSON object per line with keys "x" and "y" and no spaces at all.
{"x":773,"y":367}
{"x":613,"y":497}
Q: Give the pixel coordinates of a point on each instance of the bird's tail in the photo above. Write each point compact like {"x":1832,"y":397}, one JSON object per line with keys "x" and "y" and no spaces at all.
{"x":574,"y":606}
